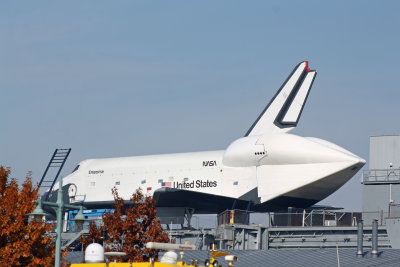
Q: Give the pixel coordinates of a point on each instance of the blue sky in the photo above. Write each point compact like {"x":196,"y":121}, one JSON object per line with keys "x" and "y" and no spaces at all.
{"x":125,"y":78}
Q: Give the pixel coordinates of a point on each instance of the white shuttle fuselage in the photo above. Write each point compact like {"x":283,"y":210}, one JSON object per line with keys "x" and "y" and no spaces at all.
{"x":96,"y":177}
{"x":267,"y":169}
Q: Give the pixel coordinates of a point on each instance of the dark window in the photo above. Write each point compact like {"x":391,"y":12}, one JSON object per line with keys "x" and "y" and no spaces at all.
{"x":76,"y":168}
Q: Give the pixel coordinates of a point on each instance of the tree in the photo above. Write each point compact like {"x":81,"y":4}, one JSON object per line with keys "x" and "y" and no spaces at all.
{"x":22,"y":242}
{"x":129,"y":228}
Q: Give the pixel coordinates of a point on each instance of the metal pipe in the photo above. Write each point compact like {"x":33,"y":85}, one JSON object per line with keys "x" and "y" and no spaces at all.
{"x":289,"y":216}
{"x":167,"y":246}
{"x":360,"y":230}
{"x":374,"y":238}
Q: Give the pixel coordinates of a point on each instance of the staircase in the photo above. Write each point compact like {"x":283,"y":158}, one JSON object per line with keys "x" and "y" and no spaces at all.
{"x":72,"y":239}
{"x":199,"y":241}
{"x":56,"y":164}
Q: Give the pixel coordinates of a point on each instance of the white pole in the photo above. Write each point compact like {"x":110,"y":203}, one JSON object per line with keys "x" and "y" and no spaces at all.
{"x":337,"y":255}
{"x":170,"y":234}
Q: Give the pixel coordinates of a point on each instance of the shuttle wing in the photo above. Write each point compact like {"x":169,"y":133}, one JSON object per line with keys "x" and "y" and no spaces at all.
{"x":202,"y":202}
{"x":283,"y":112}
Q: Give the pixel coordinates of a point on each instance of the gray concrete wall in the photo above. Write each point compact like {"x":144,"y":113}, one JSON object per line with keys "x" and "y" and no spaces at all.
{"x":383,"y":150}
{"x":376,"y":197}
{"x":376,"y":200}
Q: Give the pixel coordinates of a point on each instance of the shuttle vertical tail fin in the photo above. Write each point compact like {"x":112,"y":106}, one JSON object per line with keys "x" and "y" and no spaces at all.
{"x":283,"y":112}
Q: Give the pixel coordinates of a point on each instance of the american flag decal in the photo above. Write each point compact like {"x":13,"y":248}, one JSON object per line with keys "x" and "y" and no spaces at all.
{"x":166,"y":184}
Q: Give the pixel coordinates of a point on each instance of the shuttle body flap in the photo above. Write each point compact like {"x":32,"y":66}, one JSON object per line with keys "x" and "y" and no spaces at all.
{"x":277,"y":180}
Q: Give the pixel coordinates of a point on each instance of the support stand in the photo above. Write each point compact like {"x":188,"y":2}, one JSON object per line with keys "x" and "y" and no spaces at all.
{"x":188,"y":215}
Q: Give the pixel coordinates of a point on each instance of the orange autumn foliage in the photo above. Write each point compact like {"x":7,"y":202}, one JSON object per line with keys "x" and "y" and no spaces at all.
{"x":130,"y":227}
{"x":22,"y":242}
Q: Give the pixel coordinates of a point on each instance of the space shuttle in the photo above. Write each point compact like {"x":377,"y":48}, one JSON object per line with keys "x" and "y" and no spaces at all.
{"x":268,"y":169}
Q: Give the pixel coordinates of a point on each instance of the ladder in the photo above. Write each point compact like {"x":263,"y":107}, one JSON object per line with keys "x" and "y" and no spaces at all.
{"x":199,"y":240}
{"x":57,"y":161}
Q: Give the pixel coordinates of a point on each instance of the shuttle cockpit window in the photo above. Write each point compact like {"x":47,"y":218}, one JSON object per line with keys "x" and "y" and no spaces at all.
{"x":76,"y":168}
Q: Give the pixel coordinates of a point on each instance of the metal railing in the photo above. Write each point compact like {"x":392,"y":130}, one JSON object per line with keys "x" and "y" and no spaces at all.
{"x":314,"y":218}
{"x":381,"y":176}
{"x":323,"y":218}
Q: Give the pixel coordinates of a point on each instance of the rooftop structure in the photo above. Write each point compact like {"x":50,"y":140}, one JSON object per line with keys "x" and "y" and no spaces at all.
{"x":381,"y":183}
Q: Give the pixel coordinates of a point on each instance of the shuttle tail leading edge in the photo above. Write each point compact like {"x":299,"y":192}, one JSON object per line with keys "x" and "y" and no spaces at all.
{"x":283,"y":112}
